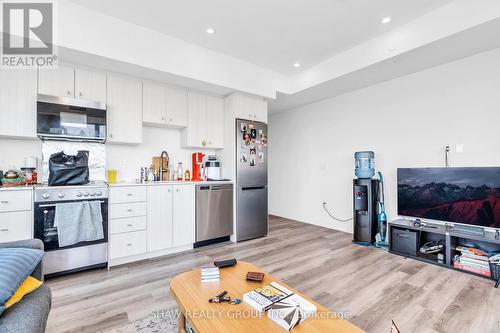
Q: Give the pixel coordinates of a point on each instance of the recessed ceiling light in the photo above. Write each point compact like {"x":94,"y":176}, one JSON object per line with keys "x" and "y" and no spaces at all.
{"x":210,"y":31}
{"x":296,"y":65}
{"x":386,"y":20}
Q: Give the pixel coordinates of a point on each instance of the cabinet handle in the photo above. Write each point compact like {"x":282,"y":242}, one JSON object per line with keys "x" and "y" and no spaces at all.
{"x":129,"y":244}
{"x":254,"y":116}
{"x":81,"y":93}
{"x":129,"y":194}
{"x":169,"y":191}
{"x":69,"y":92}
{"x":169,"y":119}
{"x":4,"y":230}
{"x":111,"y":135}
{"x":129,"y":210}
{"x":130,"y":225}
{"x":177,"y":190}
{"x":4,"y":202}
{"x":162,"y":118}
{"x":204,"y":143}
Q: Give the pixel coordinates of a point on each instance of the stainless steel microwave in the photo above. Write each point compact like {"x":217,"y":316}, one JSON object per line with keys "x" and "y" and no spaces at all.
{"x":62,"y":118}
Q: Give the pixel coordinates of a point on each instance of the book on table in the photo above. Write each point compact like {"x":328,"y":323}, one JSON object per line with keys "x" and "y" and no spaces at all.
{"x":291,"y":311}
{"x":262,"y":298}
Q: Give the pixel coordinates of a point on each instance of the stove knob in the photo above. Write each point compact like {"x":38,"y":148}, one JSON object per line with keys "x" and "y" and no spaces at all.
{"x":86,"y":194}
{"x":61,"y":195}
{"x":92,"y":194}
{"x":99,"y":193}
{"x":45,"y":195}
{"x":79,"y":194}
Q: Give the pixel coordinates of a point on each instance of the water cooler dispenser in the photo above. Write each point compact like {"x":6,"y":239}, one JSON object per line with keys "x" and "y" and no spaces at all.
{"x":365,"y":198}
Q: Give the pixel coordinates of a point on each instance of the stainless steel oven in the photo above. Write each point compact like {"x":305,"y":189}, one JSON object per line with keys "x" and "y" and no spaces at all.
{"x":62,"y":118}
{"x":79,"y":256}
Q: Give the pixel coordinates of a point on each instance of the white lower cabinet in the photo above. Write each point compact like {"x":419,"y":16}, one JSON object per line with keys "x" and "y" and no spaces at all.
{"x":16,"y":215}
{"x":161,"y":224}
{"x":184,"y":219}
{"x":127,"y":244}
{"x":15,"y":226}
{"x":159,"y":217}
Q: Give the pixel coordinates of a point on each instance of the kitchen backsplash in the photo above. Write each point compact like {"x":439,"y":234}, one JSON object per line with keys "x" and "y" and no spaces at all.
{"x":97,"y":156}
{"x":126,"y":159}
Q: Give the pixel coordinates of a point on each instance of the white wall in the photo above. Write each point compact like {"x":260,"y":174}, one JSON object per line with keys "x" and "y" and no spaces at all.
{"x":127,"y":159}
{"x":407,"y":122}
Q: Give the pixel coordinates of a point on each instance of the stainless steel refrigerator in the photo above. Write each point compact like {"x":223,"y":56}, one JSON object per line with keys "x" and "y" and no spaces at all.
{"x":251,"y":179}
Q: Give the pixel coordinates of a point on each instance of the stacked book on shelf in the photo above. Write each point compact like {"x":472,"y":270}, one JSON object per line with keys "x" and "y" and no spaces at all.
{"x":210,"y":274}
{"x":472,"y":260}
{"x":283,"y":306}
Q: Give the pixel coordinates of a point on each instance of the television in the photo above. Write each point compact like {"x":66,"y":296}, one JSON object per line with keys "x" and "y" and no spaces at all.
{"x":459,"y":195}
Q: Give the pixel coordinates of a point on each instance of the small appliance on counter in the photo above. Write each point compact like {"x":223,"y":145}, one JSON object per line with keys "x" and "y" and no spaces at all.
{"x":197,"y":162}
{"x":212,"y":167}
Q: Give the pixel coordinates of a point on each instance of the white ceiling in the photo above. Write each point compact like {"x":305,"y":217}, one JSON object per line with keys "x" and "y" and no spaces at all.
{"x":269,"y":33}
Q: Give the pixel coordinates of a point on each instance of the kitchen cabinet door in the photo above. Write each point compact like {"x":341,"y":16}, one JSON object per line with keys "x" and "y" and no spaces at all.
{"x":159,"y":217}
{"x":154,"y":103}
{"x":18,"y":90}
{"x":177,"y":107}
{"x":214,"y":122}
{"x":90,"y":85}
{"x":124,"y":107}
{"x":250,"y":108}
{"x":195,"y":133}
{"x":183,"y":217}
{"x":57,"y":82}
{"x":15,"y":226}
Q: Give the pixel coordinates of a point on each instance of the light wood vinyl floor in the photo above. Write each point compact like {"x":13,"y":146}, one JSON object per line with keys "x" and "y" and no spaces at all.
{"x":373,"y":286}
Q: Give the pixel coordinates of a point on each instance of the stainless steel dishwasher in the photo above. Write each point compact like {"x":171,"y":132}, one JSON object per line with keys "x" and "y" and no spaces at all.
{"x":214,"y":213}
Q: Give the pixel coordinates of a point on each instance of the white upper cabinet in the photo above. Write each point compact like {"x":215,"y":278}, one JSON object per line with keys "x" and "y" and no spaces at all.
{"x":177,"y":107}
{"x":215,"y":122}
{"x":66,"y":81}
{"x":205,"y":122}
{"x":90,"y":85}
{"x":164,"y":105}
{"x":159,"y":217}
{"x":183,"y":229}
{"x":249,"y":107}
{"x":154,"y":103}
{"x":57,"y":82}
{"x":124,"y":108}
{"x":18,"y":103}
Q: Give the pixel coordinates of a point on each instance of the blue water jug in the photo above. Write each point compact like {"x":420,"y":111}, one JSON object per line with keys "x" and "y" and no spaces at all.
{"x":364,"y":164}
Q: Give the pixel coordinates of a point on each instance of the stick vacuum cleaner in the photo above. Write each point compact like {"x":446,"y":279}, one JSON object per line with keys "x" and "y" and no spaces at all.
{"x":381,"y":236}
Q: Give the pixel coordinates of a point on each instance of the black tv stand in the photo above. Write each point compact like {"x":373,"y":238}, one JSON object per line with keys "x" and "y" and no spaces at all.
{"x":407,"y":236}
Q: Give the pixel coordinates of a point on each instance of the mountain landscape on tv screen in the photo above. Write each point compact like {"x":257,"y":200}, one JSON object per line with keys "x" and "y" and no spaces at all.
{"x":448,"y":201}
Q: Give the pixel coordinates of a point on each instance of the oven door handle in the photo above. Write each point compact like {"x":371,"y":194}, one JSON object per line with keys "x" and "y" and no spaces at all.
{"x":53,"y":205}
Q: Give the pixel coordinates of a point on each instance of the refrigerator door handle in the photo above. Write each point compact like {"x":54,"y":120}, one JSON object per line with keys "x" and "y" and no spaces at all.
{"x":249,"y":188}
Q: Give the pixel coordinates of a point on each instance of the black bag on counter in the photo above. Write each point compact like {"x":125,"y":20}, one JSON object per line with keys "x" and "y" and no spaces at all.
{"x":69,"y":169}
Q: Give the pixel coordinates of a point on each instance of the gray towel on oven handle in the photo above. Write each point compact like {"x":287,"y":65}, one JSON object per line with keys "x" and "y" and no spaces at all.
{"x":78,"y":222}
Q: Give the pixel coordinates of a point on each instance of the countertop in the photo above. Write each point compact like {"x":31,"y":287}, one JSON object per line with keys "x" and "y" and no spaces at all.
{"x":17,"y":188}
{"x":221,"y":182}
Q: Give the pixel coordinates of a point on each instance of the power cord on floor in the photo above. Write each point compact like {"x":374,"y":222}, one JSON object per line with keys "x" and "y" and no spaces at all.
{"x":333,"y":217}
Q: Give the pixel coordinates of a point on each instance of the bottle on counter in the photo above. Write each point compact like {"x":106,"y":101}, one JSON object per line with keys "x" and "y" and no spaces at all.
{"x":151,"y":176}
{"x":179,"y":171}
{"x":174,"y":175}
{"x":187,"y":175}
{"x":142,"y":174}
